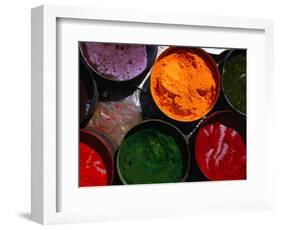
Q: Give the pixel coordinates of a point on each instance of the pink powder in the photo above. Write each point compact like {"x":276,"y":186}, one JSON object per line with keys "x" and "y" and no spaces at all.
{"x":118,"y":62}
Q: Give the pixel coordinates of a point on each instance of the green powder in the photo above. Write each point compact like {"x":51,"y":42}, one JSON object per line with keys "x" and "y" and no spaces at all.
{"x":150,"y":156}
{"x":234,"y":82}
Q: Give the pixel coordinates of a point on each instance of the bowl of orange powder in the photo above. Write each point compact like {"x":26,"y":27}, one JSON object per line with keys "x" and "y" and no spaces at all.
{"x":185,"y":83}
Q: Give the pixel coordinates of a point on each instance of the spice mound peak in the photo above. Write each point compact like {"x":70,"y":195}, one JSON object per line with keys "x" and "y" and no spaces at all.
{"x":183,"y":85}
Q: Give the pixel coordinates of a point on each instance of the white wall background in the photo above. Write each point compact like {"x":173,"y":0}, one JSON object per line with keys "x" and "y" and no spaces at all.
{"x":15,"y":113}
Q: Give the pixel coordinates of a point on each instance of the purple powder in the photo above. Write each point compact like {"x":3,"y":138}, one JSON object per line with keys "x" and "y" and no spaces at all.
{"x":118,"y":62}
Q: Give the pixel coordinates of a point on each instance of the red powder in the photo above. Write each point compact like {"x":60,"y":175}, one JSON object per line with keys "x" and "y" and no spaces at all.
{"x":92,"y":168}
{"x":220,"y":153}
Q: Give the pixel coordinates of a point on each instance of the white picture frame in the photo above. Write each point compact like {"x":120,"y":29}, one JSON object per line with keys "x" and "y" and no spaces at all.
{"x":47,"y":176}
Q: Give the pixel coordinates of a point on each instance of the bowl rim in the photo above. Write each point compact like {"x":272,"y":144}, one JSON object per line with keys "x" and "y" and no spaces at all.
{"x":204,"y":121}
{"x":184,"y":138}
{"x":85,"y":120}
{"x":146,"y":69}
{"x":101,"y":139}
{"x":208,"y":58}
{"x":234,"y":52}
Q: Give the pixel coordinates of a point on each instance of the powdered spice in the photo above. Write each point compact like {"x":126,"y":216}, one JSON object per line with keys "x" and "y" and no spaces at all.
{"x":220,"y":152}
{"x":234,"y":82}
{"x":150,"y":156}
{"x":92,"y":167}
{"x":183,"y":84}
{"x":117,"y":62}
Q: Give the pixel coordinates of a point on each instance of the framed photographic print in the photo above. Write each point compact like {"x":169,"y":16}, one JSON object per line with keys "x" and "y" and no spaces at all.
{"x":140,"y":114}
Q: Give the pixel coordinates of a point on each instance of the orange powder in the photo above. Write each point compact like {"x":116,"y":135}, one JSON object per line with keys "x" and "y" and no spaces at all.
{"x":183,"y":85}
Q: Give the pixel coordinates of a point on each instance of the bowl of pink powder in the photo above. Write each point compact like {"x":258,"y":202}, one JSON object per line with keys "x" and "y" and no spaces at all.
{"x":118,"y":62}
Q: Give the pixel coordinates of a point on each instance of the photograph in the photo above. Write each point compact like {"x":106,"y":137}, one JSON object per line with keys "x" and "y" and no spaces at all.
{"x":161,"y":114}
{"x":142,"y":113}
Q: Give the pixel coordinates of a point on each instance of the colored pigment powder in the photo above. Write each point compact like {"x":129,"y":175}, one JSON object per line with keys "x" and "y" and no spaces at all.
{"x":220,"y":152}
{"x":117,"y":62}
{"x":150,"y":156}
{"x":234,"y":82}
{"x":92,"y":168}
{"x":183,"y":85}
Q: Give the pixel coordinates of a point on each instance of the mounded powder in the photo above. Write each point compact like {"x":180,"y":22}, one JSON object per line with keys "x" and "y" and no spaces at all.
{"x":183,"y":84}
{"x":116,"y":61}
{"x":150,"y":156}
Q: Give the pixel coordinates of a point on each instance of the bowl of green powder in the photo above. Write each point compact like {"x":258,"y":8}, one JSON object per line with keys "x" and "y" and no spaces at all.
{"x":234,"y":73}
{"x":154,"y":151}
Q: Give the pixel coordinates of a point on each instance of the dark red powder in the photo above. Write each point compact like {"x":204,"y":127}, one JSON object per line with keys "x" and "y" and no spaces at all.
{"x":92,"y":167}
{"x":220,"y":152}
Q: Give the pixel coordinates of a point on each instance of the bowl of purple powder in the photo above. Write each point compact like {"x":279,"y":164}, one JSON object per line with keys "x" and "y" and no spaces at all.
{"x":118,"y":62}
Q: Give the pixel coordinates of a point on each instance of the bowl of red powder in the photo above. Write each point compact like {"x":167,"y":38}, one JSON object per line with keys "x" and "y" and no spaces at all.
{"x":220,"y":146}
{"x":185,"y":83}
{"x":96,"y":158}
{"x":119,"y":62}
